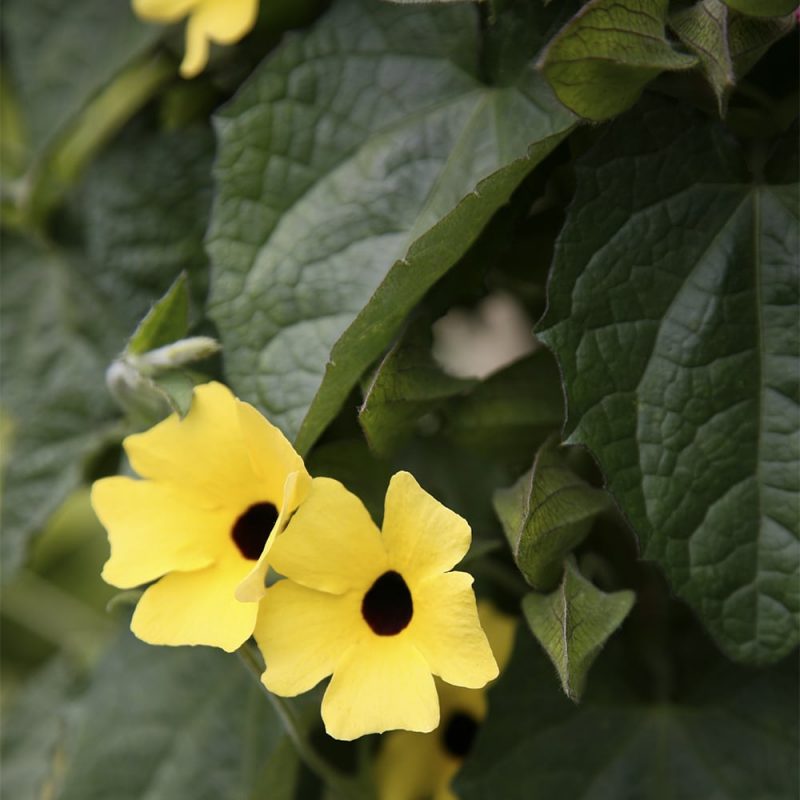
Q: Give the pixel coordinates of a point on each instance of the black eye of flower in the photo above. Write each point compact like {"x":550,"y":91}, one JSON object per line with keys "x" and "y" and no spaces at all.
{"x":387,"y":606}
{"x":458,"y":733}
{"x":251,"y":531}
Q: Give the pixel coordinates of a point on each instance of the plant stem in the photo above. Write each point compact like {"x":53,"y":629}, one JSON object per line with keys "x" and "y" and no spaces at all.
{"x":344,"y":787}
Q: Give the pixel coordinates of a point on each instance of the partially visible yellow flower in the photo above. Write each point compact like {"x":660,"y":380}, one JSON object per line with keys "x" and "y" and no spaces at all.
{"x":218,"y":486}
{"x":222,"y":21}
{"x":379,"y":611}
{"x":415,"y":765}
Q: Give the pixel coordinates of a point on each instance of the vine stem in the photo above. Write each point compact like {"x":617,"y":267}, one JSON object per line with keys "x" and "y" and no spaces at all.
{"x":344,"y":787}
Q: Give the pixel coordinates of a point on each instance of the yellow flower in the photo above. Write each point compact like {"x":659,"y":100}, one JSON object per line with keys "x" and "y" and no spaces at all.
{"x":218,"y":487}
{"x":415,"y":765}
{"x":380,"y":612}
{"x":222,"y":21}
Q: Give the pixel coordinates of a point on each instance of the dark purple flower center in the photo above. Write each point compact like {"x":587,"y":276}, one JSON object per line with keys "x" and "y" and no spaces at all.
{"x":251,"y":531}
{"x":458,"y":733}
{"x":387,"y":606}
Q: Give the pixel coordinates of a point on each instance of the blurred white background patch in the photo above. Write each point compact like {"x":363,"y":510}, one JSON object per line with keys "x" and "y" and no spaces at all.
{"x":476,"y":343}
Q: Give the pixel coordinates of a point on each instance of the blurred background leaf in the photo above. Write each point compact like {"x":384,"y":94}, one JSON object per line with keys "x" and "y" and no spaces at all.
{"x":732,"y":734}
{"x":154,"y":722}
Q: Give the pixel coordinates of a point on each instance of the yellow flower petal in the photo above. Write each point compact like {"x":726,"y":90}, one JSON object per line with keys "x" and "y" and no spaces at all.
{"x":296,"y":489}
{"x":331,"y":543}
{"x":410,"y":766}
{"x":453,"y":699}
{"x":195,"y":57}
{"x":226,"y":21}
{"x":380,"y":684}
{"x":153,"y":529}
{"x":302,"y":633}
{"x":271,"y":455}
{"x":196,"y":608}
{"x":163,"y":10}
{"x":414,"y":765}
{"x":446,"y":629}
{"x":422,"y":536}
{"x":205,"y":452}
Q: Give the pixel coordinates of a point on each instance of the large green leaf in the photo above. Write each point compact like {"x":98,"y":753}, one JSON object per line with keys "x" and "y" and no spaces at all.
{"x":154,"y":723}
{"x":604,"y":56}
{"x":355,"y":167}
{"x":673,"y":308}
{"x":146,"y":203}
{"x":546,"y":514}
{"x":67,"y":314}
{"x":573,"y":623}
{"x":732,"y":736}
{"x":54,"y":359}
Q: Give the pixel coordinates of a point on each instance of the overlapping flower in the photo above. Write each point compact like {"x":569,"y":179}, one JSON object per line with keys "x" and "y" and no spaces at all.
{"x":379,"y":611}
{"x":413,"y":765}
{"x":222,"y":497}
{"x":217,"y":487}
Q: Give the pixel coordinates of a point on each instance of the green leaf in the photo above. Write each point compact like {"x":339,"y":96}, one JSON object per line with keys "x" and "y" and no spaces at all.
{"x":165,"y":322}
{"x":407,"y":384}
{"x":66,"y":315}
{"x":703,"y":28}
{"x":146,"y":202}
{"x":50,"y":176}
{"x":600,"y":62}
{"x":763,"y":8}
{"x":62,"y":54}
{"x":30,"y":742}
{"x":573,"y":623}
{"x":53,"y":386}
{"x":749,"y":39}
{"x":512,"y":412}
{"x":12,"y":137}
{"x":733,"y":734}
{"x":80,"y":70}
{"x":373,"y":131}
{"x":155,"y":723}
{"x":177,"y":386}
{"x":727,"y":44}
{"x":546,"y":514}
{"x":673,"y":313}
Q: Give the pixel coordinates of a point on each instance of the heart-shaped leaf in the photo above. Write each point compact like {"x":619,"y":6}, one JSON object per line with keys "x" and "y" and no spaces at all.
{"x":355,"y":167}
{"x":573,"y":623}
{"x":673,"y":306}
